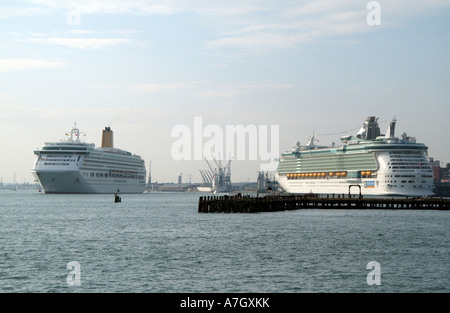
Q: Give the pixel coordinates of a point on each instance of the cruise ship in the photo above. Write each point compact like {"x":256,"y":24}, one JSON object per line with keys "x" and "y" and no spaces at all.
{"x":367,"y":163}
{"x":73,"y":166}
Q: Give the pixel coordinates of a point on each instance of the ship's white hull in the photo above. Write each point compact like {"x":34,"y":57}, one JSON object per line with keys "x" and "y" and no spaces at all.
{"x":369,"y":186}
{"x":75,"y":182}
{"x":204,"y":188}
{"x":220,"y":190}
{"x":368,"y":163}
{"x":73,"y":166}
{"x":215,"y":190}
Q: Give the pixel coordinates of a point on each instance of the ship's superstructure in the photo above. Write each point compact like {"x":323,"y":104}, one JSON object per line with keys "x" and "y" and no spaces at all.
{"x":73,"y":166}
{"x":371,"y":162}
{"x":216,"y":180}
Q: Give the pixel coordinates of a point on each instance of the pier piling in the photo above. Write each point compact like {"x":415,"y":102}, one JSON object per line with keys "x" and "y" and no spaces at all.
{"x":271,"y":203}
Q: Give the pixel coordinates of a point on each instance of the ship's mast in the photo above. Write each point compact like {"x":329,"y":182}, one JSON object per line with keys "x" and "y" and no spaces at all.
{"x":75,"y":131}
{"x":150,"y":175}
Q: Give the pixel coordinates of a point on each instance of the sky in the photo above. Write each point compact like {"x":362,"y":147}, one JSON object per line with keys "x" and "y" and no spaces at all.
{"x":149,"y":69}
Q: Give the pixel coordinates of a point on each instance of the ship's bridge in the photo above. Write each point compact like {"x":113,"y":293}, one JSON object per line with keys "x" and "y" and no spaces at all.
{"x":65,"y":148}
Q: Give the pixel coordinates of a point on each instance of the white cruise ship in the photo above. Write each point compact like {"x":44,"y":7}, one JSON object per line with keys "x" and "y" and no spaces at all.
{"x":73,"y":166}
{"x":369,"y":162}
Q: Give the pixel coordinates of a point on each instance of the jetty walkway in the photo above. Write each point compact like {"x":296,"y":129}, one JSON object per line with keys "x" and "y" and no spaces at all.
{"x":273,"y":203}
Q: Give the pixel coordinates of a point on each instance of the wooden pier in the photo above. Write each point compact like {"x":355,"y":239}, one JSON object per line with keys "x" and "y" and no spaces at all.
{"x":273,"y":203}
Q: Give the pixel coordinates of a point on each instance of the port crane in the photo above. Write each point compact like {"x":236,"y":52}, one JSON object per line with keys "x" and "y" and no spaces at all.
{"x":219,"y":178}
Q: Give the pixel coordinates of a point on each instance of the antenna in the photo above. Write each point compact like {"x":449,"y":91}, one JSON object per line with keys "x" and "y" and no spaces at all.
{"x":150,"y":174}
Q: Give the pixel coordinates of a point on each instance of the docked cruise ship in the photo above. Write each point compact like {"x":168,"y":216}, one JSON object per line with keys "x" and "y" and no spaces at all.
{"x":73,"y":166}
{"x":368,"y":162}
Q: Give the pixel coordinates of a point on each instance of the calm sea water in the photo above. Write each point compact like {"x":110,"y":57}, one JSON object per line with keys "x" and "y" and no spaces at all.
{"x":158,"y":242}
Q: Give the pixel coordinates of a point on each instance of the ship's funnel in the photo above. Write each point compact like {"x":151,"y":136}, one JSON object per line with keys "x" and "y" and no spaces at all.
{"x":107,"y":138}
{"x":391,"y":129}
{"x":370,"y":129}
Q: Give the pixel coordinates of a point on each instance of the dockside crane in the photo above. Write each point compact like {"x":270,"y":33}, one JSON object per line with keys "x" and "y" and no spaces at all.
{"x":220,"y":177}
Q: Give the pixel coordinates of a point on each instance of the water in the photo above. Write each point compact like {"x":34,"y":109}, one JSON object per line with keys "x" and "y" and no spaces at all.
{"x":158,"y":242}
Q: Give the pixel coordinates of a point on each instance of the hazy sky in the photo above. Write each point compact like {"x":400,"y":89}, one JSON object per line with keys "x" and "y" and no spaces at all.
{"x":144,"y":67}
